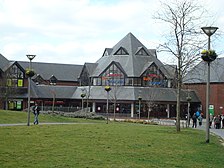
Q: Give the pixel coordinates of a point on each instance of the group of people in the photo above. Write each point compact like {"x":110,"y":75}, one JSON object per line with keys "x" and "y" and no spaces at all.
{"x":218,"y":121}
{"x":198,"y":116}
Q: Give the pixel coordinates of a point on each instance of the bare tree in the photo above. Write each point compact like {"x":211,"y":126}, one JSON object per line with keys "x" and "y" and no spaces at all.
{"x":183,"y":19}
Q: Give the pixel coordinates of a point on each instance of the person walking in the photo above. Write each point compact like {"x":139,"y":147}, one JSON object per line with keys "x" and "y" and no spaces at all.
{"x":222,"y":120}
{"x":210,"y":120}
{"x":36,"y":111}
{"x":194,"y":118}
{"x":200,"y":120}
{"x":217,"y":121}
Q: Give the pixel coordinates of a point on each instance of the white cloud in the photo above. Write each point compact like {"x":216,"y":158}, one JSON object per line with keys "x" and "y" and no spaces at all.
{"x":77,"y":31}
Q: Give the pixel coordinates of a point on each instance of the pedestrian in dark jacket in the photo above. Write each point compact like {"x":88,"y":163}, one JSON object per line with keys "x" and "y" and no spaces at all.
{"x":36,"y":111}
{"x":194,"y":118}
{"x":217,"y":121}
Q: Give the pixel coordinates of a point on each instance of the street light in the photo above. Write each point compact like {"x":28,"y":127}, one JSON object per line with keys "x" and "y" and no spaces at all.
{"x":188,"y":109}
{"x":107,"y":89}
{"x":29,"y":73}
{"x":82,"y":96}
{"x":209,"y":31}
{"x":139,"y":106}
{"x":53,"y":81}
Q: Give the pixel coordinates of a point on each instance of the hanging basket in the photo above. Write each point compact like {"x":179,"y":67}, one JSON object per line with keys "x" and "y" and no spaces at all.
{"x":83,"y":95}
{"x":208,"y":55}
{"x":107,"y":88}
{"x":30,"y":73}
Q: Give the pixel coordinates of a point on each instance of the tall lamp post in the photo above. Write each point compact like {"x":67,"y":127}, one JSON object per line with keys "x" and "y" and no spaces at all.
{"x":82,"y":96}
{"x":139,"y":106}
{"x":29,"y":73}
{"x":188,"y":109}
{"x":53,"y":81}
{"x":107,"y":89}
{"x":206,"y":56}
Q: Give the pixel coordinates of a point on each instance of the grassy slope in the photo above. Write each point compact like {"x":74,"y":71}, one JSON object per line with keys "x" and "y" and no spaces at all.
{"x":106,"y":145}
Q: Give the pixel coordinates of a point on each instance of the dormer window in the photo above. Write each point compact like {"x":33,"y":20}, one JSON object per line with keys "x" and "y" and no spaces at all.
{"x":53,"y":80}
{"x":141,"y":51}
{"x":106,"y":53}
{"x":38,"y":79}
{"x":121,"y":51}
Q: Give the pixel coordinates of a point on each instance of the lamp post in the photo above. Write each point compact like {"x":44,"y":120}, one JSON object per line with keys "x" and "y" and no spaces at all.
{"x":30,"y":57}
{"x":209,"y":31}
{"x":82,"y":96}
{"x":53,"y":82}
{"x":139,"y":106}
{"x":188,"y":109}
{"x":107,"y":89}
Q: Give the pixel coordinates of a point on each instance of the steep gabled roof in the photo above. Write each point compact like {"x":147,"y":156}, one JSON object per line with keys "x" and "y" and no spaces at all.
{"x":90,"y":67}
{"x":63,"y":72}
{"x":130,"y":43}
{"x":132,"y":63}
{"x":3,"y":63}
{"x":199,"y":73}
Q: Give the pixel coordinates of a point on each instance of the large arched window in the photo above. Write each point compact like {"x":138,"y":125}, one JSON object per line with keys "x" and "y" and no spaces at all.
{"x":113,"y":76}
{"x":153,"y":77}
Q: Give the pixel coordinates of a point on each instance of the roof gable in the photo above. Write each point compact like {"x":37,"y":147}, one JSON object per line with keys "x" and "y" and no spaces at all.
{"x":107,"y":51}
{"x":117,"y":64}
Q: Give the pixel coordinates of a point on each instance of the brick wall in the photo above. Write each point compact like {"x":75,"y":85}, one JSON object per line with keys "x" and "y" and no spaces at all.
{"x":216,"y":95}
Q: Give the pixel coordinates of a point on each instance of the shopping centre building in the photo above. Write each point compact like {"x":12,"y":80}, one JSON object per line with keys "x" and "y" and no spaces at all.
{"x":137,"y":78}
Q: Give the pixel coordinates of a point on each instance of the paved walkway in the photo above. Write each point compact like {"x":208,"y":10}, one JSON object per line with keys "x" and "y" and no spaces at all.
{"x":218,"y":132}
{"x":24,"y":124}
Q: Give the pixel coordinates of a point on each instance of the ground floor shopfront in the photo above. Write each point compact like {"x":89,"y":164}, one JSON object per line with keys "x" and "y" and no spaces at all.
{"x":122,"y":101}
{"x":131,"y":109}
{"x":128,"y":109}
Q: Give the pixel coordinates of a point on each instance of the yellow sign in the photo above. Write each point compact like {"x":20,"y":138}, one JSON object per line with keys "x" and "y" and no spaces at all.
{"x":20,"y":82}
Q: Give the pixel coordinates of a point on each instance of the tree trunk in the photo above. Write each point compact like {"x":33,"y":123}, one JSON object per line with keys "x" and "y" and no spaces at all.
{"x":178,"y":96}
{"x":178,"y":108}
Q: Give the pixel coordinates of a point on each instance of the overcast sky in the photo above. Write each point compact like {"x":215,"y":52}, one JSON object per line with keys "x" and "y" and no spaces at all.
{"x":78,"y":31}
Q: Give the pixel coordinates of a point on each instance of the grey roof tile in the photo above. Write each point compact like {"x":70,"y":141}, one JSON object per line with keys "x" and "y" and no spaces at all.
{"x":129,"y":93}
{"x":3,"y":62}
{"x":63,"y":72}
{"x":47,"y":91}
{"x":199,"y":73}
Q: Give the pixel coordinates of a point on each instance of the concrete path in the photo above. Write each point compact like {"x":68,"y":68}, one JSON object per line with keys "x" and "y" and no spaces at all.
{"x":24,"y":124}
{"x":218,"y":132}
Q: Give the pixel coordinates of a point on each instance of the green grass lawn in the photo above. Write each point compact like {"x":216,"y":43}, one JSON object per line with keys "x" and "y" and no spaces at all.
{"x":106,"y":145}
{"x":10,"y":117}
